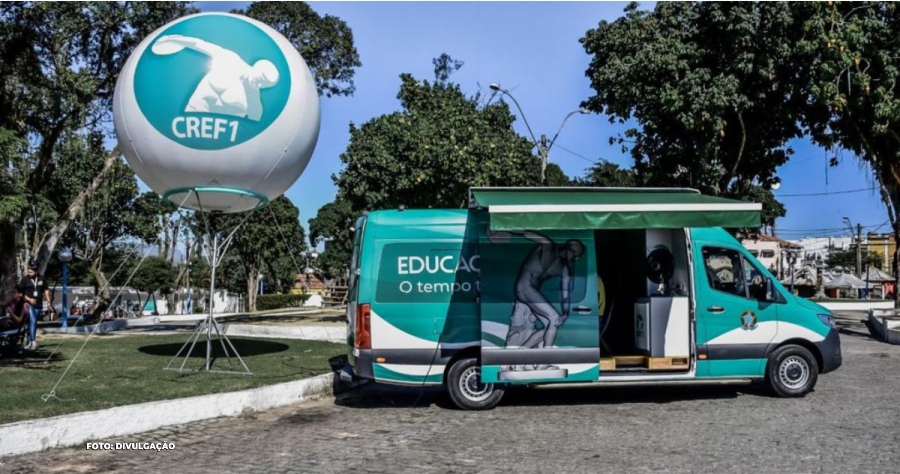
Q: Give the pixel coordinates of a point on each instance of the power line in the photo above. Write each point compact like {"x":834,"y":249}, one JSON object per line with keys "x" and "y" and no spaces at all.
{"x":576,"y":154}
{"x":828,"y":193}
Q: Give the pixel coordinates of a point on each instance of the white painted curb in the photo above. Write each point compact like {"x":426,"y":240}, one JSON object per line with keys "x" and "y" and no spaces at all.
{"x":862,"y":305}
{"x":319,"y":333}
{"x":70,"y":430}
{"x":107,"y":326}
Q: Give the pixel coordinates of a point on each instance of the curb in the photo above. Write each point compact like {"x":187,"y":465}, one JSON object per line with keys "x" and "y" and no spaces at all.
{"x":319,"y":333}
{"x":105,"y":327}
{"x":68,"y":430}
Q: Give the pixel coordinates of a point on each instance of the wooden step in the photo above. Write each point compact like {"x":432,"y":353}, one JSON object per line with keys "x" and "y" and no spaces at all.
{"x":631,"y":361}
{"x":667,"y":363}
{"x":607,"y":364}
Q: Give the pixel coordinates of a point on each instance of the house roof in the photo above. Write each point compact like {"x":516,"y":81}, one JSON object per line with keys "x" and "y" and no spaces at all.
{"x":781,"y":242}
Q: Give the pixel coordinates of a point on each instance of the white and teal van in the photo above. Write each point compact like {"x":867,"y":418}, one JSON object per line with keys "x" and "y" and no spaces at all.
{"x":562,"y":285}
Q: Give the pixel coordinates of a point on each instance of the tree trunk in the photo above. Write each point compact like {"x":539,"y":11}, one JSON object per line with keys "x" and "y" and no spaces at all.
{"x":9,"y":265}
{"x":252,"y":286}
{"x":170,"y":303}
{"x":51,"y":238}
{"x":100,"y":277}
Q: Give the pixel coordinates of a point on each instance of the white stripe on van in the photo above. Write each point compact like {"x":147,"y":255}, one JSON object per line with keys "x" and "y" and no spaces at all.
{"x":416,"y":370}
{"x":387,"y":336}
{"x":766,"y":332}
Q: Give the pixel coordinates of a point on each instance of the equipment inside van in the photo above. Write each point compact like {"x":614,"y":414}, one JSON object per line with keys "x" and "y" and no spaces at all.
{"x":563,"y":285}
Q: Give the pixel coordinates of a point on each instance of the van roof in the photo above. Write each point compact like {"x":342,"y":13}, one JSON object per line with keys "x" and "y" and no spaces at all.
{"x":396,"y":217}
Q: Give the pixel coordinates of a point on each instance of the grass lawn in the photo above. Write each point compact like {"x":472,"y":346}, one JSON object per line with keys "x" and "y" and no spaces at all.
{"x":115,"y":370}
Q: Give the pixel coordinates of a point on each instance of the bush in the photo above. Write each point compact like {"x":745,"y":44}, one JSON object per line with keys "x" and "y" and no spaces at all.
{"x":267,"y":302}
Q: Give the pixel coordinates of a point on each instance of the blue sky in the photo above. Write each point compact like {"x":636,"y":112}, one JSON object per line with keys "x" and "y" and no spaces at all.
{"x":532,"y":49}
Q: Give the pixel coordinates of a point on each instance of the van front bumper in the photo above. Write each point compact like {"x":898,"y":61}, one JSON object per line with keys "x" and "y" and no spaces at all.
{"x":361,"y":368}
{"x":830,"y":348}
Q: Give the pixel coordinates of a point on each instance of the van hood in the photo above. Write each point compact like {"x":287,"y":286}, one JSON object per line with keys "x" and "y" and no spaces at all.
{"x":811,"y":305}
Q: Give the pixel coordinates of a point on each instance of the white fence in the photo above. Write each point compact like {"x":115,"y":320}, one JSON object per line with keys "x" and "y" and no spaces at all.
{"x":223,"y":301}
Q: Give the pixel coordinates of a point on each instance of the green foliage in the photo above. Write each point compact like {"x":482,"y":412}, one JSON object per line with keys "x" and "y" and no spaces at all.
{"x":326,"y":43}
{"x":428,"y":154}
{"x":333,"y":222}
{"x":270,"y":302}
{"x":847,"y":259}
{"x":849,"y":55}
{"x":606,"y":174}
{"x":155,"y":275}
{"x":12,"y":187}
{"x":59,"y":63}
{"x":709,"y":85}
{"x":267,"y":235}
{"x":556,"y":177}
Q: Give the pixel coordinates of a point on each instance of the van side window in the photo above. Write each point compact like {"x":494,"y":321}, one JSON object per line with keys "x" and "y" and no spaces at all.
{"x":724,"y":271}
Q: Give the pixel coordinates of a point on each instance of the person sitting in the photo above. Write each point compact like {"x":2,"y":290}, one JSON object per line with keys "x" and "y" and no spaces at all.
{"x":16,"y":312}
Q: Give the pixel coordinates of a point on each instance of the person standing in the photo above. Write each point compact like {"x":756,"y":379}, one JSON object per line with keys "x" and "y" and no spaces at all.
{"x":34,"y":289}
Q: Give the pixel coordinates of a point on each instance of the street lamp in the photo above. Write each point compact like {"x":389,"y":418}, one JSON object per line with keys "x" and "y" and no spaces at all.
{"x":543,"y":148}
{"x":308,"y":256}
{"x":261,"y":286}
{"x":65,"y":256}
{"x":858,"y":243}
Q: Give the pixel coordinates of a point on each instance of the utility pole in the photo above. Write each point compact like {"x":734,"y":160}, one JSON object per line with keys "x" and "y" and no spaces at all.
{"x":858,"y":249}
{"x":543,"y":150}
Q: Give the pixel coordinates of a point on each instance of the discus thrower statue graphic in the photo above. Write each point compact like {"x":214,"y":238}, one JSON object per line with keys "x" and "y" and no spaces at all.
{"x":546,"y":260}
{"x":231,"y":86}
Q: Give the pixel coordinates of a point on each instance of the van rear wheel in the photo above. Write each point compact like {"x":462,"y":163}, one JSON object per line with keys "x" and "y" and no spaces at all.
{"x":792,"y":371}
{"x":466,"y":388}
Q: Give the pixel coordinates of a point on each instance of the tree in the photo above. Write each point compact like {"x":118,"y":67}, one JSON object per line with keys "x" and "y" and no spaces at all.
{"x":847,"y":259}
{"x":108,"y":213}
{"x":429,"y":153}
{"x":265,"y":236}
{"x":325,"y":43}
{"x":848,"y":53}
{"x":332,"y":223}
{"x":154,"y":275}
{"x":709,"y":85}
{"x":59,"y":63}
{"x":608,"y":174}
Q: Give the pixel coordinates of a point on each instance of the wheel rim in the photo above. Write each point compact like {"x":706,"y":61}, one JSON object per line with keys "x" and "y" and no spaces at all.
{"x":472,"y":387}
{"x":794,"y":372}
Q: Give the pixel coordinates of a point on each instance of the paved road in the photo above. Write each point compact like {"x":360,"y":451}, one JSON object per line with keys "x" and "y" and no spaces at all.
{"x":851,"y":423}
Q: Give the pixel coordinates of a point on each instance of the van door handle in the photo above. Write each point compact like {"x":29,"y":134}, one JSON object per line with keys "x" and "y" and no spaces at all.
{"x":582,"y":310}
{"x":715,"y":309}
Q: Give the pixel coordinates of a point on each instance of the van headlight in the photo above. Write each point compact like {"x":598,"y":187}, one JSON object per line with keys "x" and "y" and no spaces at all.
{"x":827,"y":320}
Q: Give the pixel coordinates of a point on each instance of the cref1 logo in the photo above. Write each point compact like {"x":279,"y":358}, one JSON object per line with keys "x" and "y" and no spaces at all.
{"x":212,"y":82}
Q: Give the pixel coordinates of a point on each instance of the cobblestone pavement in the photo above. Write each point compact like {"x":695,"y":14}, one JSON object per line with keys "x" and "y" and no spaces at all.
{"x":851,"y":423}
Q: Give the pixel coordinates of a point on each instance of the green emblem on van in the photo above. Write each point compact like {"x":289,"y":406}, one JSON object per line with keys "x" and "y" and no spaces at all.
{"x":212,"y":82}
{"x":748,"y":320}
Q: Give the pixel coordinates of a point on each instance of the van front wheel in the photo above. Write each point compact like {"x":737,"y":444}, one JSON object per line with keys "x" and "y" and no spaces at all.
{"x":466,"y":388}
{"x":792,"y":371}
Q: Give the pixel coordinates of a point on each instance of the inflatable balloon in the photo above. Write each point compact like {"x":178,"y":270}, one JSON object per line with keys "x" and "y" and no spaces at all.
{"x":217,"y":103}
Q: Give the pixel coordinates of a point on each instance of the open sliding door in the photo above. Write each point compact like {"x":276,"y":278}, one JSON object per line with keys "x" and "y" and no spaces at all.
{"x":539,"y":320}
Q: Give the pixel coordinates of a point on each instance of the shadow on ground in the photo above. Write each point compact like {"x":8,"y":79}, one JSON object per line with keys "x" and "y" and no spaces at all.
{"x":26,"y":359}
{"x":373,"y":395}
{"x":244,"y":347}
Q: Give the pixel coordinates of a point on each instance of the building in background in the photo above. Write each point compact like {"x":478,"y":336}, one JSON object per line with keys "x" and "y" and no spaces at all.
{"x":775,"y":254}
{"x":883,"y":245}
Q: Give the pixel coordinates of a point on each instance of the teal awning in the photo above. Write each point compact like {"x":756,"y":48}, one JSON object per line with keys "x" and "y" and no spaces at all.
{"x":610,"y":208}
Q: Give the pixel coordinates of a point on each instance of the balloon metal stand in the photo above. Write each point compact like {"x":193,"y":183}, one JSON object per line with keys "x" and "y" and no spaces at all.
{"x":217,"y":248}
